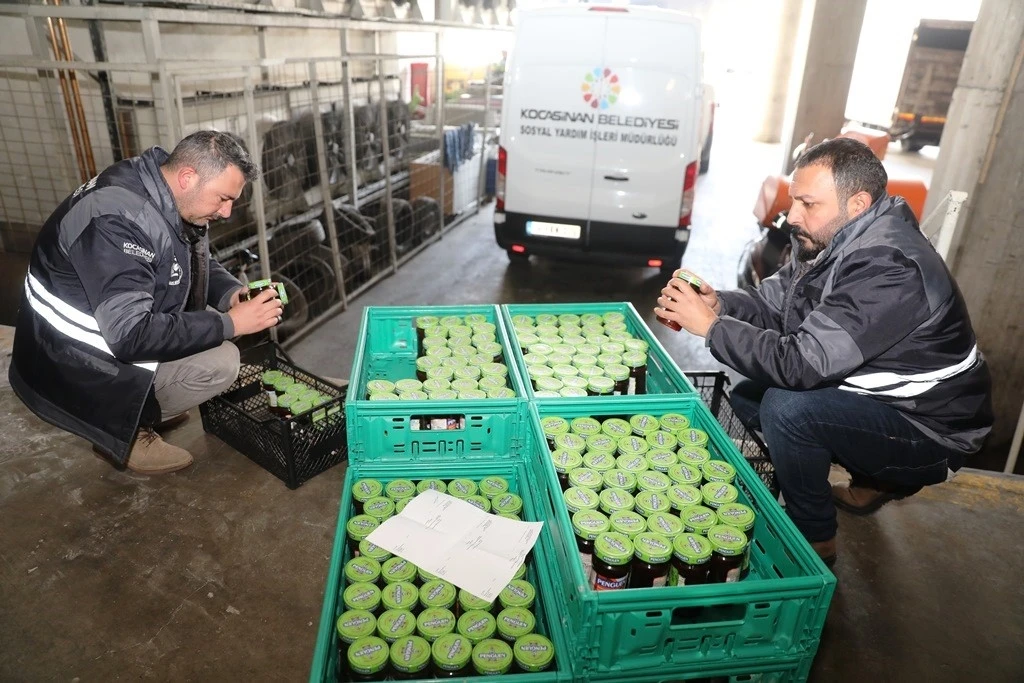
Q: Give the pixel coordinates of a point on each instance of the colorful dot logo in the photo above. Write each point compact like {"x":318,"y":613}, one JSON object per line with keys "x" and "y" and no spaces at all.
{"x":600,"y":88}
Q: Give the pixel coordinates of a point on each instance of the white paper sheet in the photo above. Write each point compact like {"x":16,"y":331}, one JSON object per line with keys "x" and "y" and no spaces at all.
{"x":458,"y":542}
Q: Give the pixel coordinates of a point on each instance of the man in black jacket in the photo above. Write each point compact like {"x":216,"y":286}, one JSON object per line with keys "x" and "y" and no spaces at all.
{"x":859,"y":351}
{"x":125,"y":319}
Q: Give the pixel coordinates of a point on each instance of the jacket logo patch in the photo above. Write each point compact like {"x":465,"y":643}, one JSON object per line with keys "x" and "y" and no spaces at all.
{"x":176,"y":273}
{"x":135,"y":250}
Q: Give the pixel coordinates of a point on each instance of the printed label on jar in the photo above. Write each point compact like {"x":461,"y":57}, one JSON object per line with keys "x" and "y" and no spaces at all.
{"x":272,"y":398}
{"x":660,"y":582}
{"x":587,"y":560}
{"x":631,"y":391}
{"x":733,"y":575}
{"x":604,"y":583}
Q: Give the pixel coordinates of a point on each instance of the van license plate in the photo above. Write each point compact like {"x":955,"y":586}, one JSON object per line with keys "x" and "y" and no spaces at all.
{"x":561,"y":230}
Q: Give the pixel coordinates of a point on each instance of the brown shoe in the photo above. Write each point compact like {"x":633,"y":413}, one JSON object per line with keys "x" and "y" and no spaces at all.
{"x":173,"y":422}
{"x":152,"y":455}
{"x":864,"y":500}
{"x":826,"y":551}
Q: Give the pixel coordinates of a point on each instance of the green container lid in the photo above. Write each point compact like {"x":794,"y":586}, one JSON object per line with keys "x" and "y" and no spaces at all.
{"x":572,"y":392}
{"x":692,"y":548}
{"x":355,"y":624}
{"x":738,"y":515}
{"x":591,"y":318}
{"x":408,"y":385}
{"x":682,"y":496}
{"x":451,"y":652}
{"x":693,"y":437}
{"x":368,"y":656}
{"x":602,"y":386}
{"x":362,"y":570}
{"x":493,"y":486}
{"x":694,"y":455}
{"x":564,"y":349}
{"x":296,"y":388}
{"x":365,"y":489}
{"x":431,"y":485}
{"x":565,"y":461}
{"x":424,"y":575}
{"x":650,"y":480}
{"x":464,"y":384}
{"x":437,"y":593}
{"x":299,"y":406}
{"x":413,"y":396}
{"x":685,"y":473}
{"x":520,"y":572}
{"x":585,"y":427}
{"x":547,"y":394}
{"x":479,"y":502}
{"x":432,"y":385}
{"x":635,"y":464}
{"x":400,"y":505}
{"x":568,"y":319}
{"x":620,"y":479}
{"x":450,"y":320}
{"x":717,"y":494}
{"x":665,"y":523}
{"x":718,"y":471}
{"x":477,"y":625}
{"x":570,"y":442}
{"x":400,"y":488}
{"x":589,"y":524}
{"x":563,"y":371}
{"x":540,"y":350}
{"x":698,"y":519}
{"x":441,"y":373}
{"x":589,"y":372}
{"x":548,"y":384}
{"x":727,"y":540}
{"x":490,"y":382}
{"x":379,"y":386}
{"x":599,"y":461}
{"x":359,"y":527}
{"x":475,"y":319}
{"x":270,"y":376}
{"x":661,"y":460}
{"x":663,"y":440}
{"x":642,"y":424}
{"x":469,"y":602}
{"x":554,"y":426}
{"x":454,"y":363}
{"x":601,"y":442}
{"x":443,"y":395}
{"x":439,"y":352}
{"x":410,"y":654}
{"x":393,"y":624}
{"x":376,"y":396}
{"x":462,"y":488}
{"x":615,"y":348}
{"x":616,"y":428}
{"x":468,"y":372}
{"x":400,"y":595}
{"x":397,"y":570}
{"x":648,"y":502}
{"x":518,"y":593}
{"x":425,"y":321}
{"x":633,"y":445}
{"x":374,"y":552}
{"x":433,"y":342}
{"x":628,"y":523}
{"x":551,"y":340}
{"x":634,"y":359}
{"x":652,"y":548}
{"x":537,"y":372}
{"x":507,"y":504}
{"x":575,"y":382}
{"x":613,"y":500}
{"x":361,"y":596}
{"x":533,"y":653}
{"x":636,"y":344}
{"x":547,"y":319}
{"x":282,"y":381}
{"x":434,"y":622}
{"x":616,"y":326}
{"x":518,"y":320}
{"x":607,"y":360}
{"x":380,"y":508}
{"x":455,"y":331}
{"x":583,"y":477}
{"x":588,"y":349}
{"x":574,"y":339}
{"x":674,"y":423}
{"x":559,"y":359}
{"x":494,"y":370}
{"x":527,"y":339}
{"x":619,"y":336}
{"x":482,"y":340}
{"x":577,"y":498}
{"x":581,"y":360}
{"x":613,"y":548}
{"x":492,"y":657}
{"x":515,"y":622}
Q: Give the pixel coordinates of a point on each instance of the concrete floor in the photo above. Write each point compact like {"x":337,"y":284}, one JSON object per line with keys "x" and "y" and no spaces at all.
{"x":216,"y":573}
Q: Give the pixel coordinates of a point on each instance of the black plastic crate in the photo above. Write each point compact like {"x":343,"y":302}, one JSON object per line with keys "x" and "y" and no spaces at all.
{"x":713,"y":390}
{"x":294,"y":450}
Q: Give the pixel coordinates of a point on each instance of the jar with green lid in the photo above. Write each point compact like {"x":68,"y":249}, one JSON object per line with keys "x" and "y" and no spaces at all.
{"x":495,"y":355}
{"x":468,"y":603}
{"x":436,"y":330}
{"x":304,"y":401}
{"x":477,"y":625}
{"x":398,"y":570}
{"x":650,"y":480}
{"x":690,"y":559}
{"x":694,"y":455}
{"x":718,"y":471}
{"x":552,"y":427}
{"x":601,"y":443}
{"x":458,"y":331}
{"x":585,"y":426}
{"x":570,"y":392}
{"x":738,"y":515}
{"x":575,"y":383}
{"x":368,"y":659}
{"x":462,"y":488}
{"x":698,"y":519}
{"x":613,"y":554}
{"x":450,"y":321}
{"x":452,"y":655}
{"x":400,"y":505}
{"x":551,"y":340}
{"x":267,"y":380}
{"x":547,"y":384}
{"x":380,"y":386}
{"x":493,"y":486}
{"x":614,"y":348}
{"x":432,"y":385}
{"x":358,"y":527}
{"x":665,"y":523}
{"x":563,"y":349}
{"x":546,"y":319}
{"x":393,"y":624}
{"x":615,"y":326}
{"x":588,"y":349}
{"x":410,"y":658}
{"x":464,"y":384}
{"x":729,"y":547}
{"x":413,"y":396}
{"x":565,"y":462}
{"x":581,"y":360}
{"x":442,"y":395}
{"x":362,"y":570}
{"x":648,"y":502}
{"x":431,"y":485}
{"x":533,"y":653}
{"x":599,"y":461}
{"x":577,"y":498}
{"x":454,"y":363}
{"x":634,"y":464}
{"x":651,"y":555}
{"x":620,"y":479}
{"x":619,"y":336}
{"x":663,"y":440}
{"x":374,"y":552}
{"x":401,"y":595}
{"x":362,"y":596}
{"x":350,"y":627}
{"x":494,"y":370}
{"x":440,"y":352}
{"x":437,"y":593}
{"x":479,"y":502}
{"x":693,"y":437}
{"x":527,"y":339}
{"x":614,"y":500}
{"x":470,"y":372}
{"x":434,"y":622}
{"x":606,"y":359}
{"x":518,"y":593}
{"x":397,"y":489}
{"x":492,"y":657}
{"x":573,"y":340}
{"x":408,"y":385}
{"x":441,"y":372}
{"x":423,"y":576}
{"x":520,"y":572}
{"x":540,"y":350}
{"x":536,"y":372}
{"x":583,"y":477}
{"x":570,"y":442}
{"x":281,"y":383}
{"x":561,"y":372}
{"x":483,"y":339}
{"x":285,"y":402}
{"x":616,"y":428}
{"x":491,"y":382}
{"x":633,"y":445}
{"x":682,"y":496}
{"x":717,"y":494}
{"x":601,"y":386}
{"x":587,"y":525}
{"x":643,"y":424}
{"x":591,"y":319}
{"x":619,"y":374}
{"x":507,"y":504}
{"x":637,"y":364}
{"x":376,"y":396}
{"x":559,"y":359}
{"x":514,"y":623}
{"x":627,"y":523}
{"x":380,"y":508}
{"x":589,"y":372}
{"x":660,"y":460}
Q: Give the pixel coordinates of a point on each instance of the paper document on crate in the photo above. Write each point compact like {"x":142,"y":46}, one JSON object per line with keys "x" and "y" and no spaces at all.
{"x":458,"y":542}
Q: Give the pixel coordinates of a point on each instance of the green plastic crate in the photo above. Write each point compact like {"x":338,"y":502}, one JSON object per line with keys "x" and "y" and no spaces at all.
{"x":776,"y":614}
{"x":663,"y":375}
{"x":526,"y":479}
{"x":387,"y":349}
{"x":759,"y":671}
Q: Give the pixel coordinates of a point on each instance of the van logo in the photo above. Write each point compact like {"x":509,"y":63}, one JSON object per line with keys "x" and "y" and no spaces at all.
{"x":601,"y":88}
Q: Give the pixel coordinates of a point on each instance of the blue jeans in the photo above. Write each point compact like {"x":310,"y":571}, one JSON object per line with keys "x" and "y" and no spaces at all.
{"x":806,"y":431}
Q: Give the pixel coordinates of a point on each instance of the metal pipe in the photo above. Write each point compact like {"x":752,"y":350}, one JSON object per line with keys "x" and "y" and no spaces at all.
{"x":481,"y":181}
{"x":385,"y":148}
{"x":76,"y":93}
{"x":79,"y":157}
{"x":439,"y":107}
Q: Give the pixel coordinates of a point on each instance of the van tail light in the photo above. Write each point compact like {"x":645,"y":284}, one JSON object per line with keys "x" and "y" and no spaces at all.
{"x":686,"y":207}
{"x":499,"y":183}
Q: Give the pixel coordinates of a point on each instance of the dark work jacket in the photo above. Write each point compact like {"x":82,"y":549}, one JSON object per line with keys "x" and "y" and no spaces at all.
{"x":877,"y":313}
{"x":105,"y":302}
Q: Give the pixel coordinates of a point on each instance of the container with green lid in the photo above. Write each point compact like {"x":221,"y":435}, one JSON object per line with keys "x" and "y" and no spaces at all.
{"x":397,"y":570}
{"x":613,"y":548}
{"x":718,"y":471}
{"x":615,"y":348}
{"x":665,"y":523}
{"x":589,"y":524}
{"x":599,"y":461}
{"x":452,"y":652}
{"x":518,"y":593}
{"x":434,"y":622}
{"x":685,"y":473}
{"x":570,"y":442}
{"x":477,"y":625}
{"x":559,"y":359}
{"x":716,"y":494}
{"x":361,"y":596}
{"x":540,"y":350}
{"x":269,"y":376}
{"x":469,"y":602}
{"x":634,"y":359}
{"x":618,"y":336}
{"x":437,"y":593}
{"x":492,"y":657}
{"x":432,"y":385}
{"x":438,"y":352}
{"x":442,"y":395}
{"x":464,"y":384}
{"x":548,"y":394}
{"x":489,"y":382}
{"x":408,"y":385}
{"x":727,"y":540}
{"x":393,"y":624}
{"x":515,"y":622}
{"x":482,"y":359}
{"x":300,"y":406}
{"x":479,"y":502}
{"x":400,"y":488}
{"x":441,"y":373}
{"x":376,"y":396}
{"x":282,"y":382}
{"x":563,"y":371}
{"x":548,"y":384}
{"x":682,"y":496}
{"x":566,"y":461}
{"x":652,"y":548}
{"x":457,"y":331}
{"x":487,"y":344}
{"x":410,"y":655}
{"x":474,"y":319}
{"x":454,"y":363}
{"x":494,"y":370}
{"x":650,"y":480}
{"x":527,"y":339}
{"x":583,"y":477}
{"x":400,"y":595}
{"x":554,"y":426}
{"x":692,"y":548}
{"x":355,"y":624}
{"x":634,"y":464}
{"x":587,"y":349}
{"x":674,"y":423}
{"x":642,"y":424}
{"x":381,"y":386}
{"x":738,"y":515}
{"x":400,"y":505}
{"x":468,"y":372}
{"x":450,"y":321}
{"x":601,"y":442}
{"x":520,"y":320}
{"x":359,"y":527}
{"x":661,"y":460}
{"x":374,"y":552}
{"x":633,"y":445}
{"x":424,"y":576}
{"x":380,"y":508}
{"x":577,"y":499}
{"x":435,"y":330}
{"x":584,"y":359}
{"x":520,"y":572}
{"x":601,"y":386}
{"x":627,"y":523}
{"x":693,"y":437}
{"x":620,"y":479}
{"x":533,"y":653}
{"x":618,"y":372}
{"x":462,"y":488}
{"x":425,"y":321}
{"x":493,"y":486}
{"x":296,"y":388}
{"x":362,"y":570}
{"x":613,"y":317}
{"x":589,"y":372}
{"x":413,"y":396}
{"x":609,"y":359}
{"x":591,"y":319}
{"x":537,"y":372}
{"x":636,"y":345}
{"x":573,"y":339}
{"x":571,"y":392}
{"x":431,"y":485}
{"x":563,"y":349}
{"x":698,"y":519}
{"x":507,"y":504}
{"x":575,"y":382}
{"x":614,"y":500}
{"x":648,"y":502}
{"x":368,"y":656}
{"x":551,"y":340}
{"x":662,"y":440}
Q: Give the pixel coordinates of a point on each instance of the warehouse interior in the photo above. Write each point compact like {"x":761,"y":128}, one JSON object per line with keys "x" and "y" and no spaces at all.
{"x":376,"y":126}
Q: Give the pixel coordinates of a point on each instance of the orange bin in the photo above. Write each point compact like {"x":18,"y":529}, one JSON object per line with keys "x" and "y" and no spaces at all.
{"x":774,"y":196}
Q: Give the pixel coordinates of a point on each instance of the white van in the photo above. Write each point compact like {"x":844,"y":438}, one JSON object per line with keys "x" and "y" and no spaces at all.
{"x":600,"y":142}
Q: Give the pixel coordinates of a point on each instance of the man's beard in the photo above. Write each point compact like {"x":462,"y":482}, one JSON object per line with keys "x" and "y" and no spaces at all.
{"x":806,"y":254}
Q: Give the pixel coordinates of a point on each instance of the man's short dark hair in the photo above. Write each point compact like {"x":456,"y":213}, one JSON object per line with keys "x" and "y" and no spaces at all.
{"x":855,"y":168}
{"x":209,"y":152}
